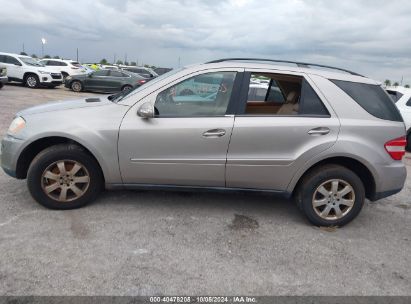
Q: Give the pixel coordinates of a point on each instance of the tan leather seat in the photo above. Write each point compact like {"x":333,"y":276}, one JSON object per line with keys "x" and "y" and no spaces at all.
{"x":291,"y":105}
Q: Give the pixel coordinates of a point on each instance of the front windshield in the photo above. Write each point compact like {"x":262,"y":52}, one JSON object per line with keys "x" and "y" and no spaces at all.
{"x":130,"y":93}
{"x":31,"y":61}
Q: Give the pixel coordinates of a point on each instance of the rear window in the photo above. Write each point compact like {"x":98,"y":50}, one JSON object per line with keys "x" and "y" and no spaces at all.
{"x":371,"y":98}
{"x":395,"y":95}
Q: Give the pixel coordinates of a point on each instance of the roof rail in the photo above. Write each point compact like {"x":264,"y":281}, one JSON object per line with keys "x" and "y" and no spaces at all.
{"x":299,"y":64}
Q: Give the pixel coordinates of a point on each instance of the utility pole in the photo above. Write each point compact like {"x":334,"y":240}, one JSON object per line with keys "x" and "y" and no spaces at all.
{"x":179,"y":61}
{"x":115,"y":57}
{"x":77,"y":55}
{"x":23,"y":47}
{"x":125,"y":58}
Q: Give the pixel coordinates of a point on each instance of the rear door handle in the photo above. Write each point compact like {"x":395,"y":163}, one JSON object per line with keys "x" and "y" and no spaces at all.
{"x":214,"y":133}
{"x":319,"y":131}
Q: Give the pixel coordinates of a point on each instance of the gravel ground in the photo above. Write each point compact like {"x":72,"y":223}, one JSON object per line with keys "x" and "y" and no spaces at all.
{"x":178,"y":243}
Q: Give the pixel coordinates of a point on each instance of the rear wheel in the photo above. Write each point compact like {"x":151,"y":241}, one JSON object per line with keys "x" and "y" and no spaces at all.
{"x":64,"y":177}
{"x":331,"y":195}
{"x":127,"y":87}
{"x":76,"y":86}
{"x":32,"y":81}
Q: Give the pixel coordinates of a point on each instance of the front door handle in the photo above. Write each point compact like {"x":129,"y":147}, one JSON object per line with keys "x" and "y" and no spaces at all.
{"x":319,"y":131}
{"x":214,"y":133}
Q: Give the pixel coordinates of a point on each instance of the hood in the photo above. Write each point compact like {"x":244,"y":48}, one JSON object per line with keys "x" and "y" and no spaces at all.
{"x":65,"y":105}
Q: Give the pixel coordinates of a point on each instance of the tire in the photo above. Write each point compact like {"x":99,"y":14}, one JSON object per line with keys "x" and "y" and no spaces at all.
{"x":408,"y":148}
{"x":326,"y":212}
{"x":126,"y":87}
{"x":1,"y":85}
{"x":32,"y":81}
{"x":76,"y":86}
{"x":54,"y":190}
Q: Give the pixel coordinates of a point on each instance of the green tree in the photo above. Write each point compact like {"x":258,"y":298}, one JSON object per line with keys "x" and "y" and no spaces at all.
{"x":34,"y":56}
{"x":407,"y":86}
{"x":56,"y":57}
{"x":47,"y":56}
{"x":119,"y":62}
{"x":396,"y":84}
{"x":103,"y":61}
{"x":23,"y":53}
{"x":125,"y":62}
{"x":387,"y":82}
{"x":133,"y":63}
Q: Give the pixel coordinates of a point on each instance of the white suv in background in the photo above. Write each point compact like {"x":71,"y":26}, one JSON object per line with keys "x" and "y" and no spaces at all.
{"x":402,"y":99}
{"x":65,"y":67}
{"x":28,"y":71}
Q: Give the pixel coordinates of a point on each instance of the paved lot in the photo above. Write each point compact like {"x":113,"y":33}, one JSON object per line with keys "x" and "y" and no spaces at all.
{"x":143,"y":243}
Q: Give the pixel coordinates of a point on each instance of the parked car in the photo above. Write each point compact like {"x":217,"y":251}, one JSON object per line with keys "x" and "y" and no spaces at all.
{"x":161,"y":71}
{"x":3,"y":76}
{"x":330,"y":140}
{"x":28,"y":71}
{"x":104,"y":81}
{"x":147,"y":73}
{"x":65,"y":67}
{"x":402,"y":99}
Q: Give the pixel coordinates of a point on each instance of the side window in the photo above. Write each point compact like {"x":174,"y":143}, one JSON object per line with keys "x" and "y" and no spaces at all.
{"x":409,"y":102}
{"x":61,"y":63}
{"x":277,"y":94}
{"x":101,"y":73}
{"x":394,"y":95}
{"x":3,"y":58}
{"x":201,"y":95}
{"x":116,"y":74}
{"x":12,"y":60}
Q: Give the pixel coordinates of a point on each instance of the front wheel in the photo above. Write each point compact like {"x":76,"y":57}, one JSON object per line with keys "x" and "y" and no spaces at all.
{"x":76,"y":86}
{"x":331,"y":195}
{"x":32,"y":81}
{"x":64,"y":177}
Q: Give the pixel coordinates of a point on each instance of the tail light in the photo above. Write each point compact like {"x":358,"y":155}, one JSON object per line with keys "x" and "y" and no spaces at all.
{"x":396,"y":147}
{"x":142,"y":81}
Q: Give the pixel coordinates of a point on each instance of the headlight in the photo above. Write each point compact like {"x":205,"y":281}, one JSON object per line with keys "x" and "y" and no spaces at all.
{"x":16,"y":125}
{"x":68,"y":77}
{"x":43,"y":72}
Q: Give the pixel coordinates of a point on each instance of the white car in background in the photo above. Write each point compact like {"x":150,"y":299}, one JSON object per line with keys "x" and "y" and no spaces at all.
{"x":65,"y":67}
{"x":402,"y":99}
{"x":29,"y":71}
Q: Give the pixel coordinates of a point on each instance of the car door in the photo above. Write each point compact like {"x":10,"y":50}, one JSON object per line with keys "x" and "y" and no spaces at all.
{"x":98,"y":80}
{"x":117,"y":80}
{"x":273,"y":137}
{"x":186,"y":142}
{"x":14,"y":67}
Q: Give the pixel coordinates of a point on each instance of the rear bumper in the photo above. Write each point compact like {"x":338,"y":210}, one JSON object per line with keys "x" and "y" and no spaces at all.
{"x":392,"y":180}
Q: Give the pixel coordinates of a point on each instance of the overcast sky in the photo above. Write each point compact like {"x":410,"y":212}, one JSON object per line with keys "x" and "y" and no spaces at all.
{"x":371,"y":37}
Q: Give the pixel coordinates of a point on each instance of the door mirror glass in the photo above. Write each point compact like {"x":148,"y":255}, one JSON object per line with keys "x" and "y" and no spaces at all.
{"x":146,"y":110}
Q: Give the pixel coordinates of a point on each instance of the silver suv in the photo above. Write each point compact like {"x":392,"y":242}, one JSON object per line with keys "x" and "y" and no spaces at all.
{"x":327,"y":137}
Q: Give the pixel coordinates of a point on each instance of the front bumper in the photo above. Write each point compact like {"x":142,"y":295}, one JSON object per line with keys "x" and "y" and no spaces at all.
{"x":10,"y":150}
{"x":53,"y":79}
{"x":4,"y":79}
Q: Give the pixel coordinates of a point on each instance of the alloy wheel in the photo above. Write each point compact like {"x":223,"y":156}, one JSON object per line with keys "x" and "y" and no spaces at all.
{"x":31,"y":81}
{"x":333,"y":199}
{"x":65,"y":180}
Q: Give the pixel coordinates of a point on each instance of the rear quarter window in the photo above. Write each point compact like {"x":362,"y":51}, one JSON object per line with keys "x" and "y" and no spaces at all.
{"x":372,"y":98}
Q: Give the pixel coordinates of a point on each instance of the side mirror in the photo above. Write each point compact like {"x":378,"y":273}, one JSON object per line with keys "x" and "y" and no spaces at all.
{"x":146,"y":110}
